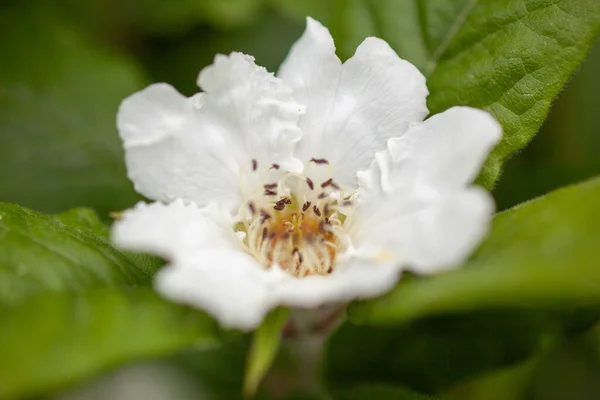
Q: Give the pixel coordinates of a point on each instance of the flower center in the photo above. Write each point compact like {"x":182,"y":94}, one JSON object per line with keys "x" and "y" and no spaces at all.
{"x":297,"y":223}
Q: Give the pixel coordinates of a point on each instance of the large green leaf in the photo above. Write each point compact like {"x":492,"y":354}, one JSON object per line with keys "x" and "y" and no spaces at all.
{"x":40,"y":253}
{"x":59,"y":95}
{"x":53,"y":340}
{"x":543,"y":253}
{"x":509,"y":57}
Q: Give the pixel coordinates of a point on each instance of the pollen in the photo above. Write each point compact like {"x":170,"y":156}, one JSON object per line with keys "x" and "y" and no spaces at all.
{"x":290,"y":226}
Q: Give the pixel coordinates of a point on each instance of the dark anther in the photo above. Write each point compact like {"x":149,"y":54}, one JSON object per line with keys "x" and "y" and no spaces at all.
{"x":300,"y":258}
{"x":295,"y":250}
{"x":327,"y":221}
{"x":305,"y":206}
{"x":327,"y":183}
{"x":251,"y":207}
{"x":288,"y":201}
{"x":322,"y":195}
{"x":270,"y":186}
{"x":326,"y":209}
{"x":269,"y":192}
{"x":347,"y":203}
{"x":310,"y":183}
{"x":275,"y":166}
{"x":316,"y":210}
{"x":254,"y":164}
{"x":319,"y":161}
{"x":335,"y":186}
{"x":279,"y":207}
{"x":330,"y":270}
{"x":264,"y":215}
{"x":264,"y":233}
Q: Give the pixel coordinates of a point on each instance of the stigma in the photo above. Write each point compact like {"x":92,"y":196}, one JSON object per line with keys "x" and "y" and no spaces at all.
{"x":296,"y":222}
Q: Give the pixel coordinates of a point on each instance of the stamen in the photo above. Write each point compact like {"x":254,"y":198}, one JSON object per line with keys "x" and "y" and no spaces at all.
{"x":327,"y":183}
{"x":264,"y":215}
{"x":300,"y":242}
{"x":310,"y":183}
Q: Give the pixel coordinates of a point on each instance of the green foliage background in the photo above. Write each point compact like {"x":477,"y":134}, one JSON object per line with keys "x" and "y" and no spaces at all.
{"x":517,"y":323}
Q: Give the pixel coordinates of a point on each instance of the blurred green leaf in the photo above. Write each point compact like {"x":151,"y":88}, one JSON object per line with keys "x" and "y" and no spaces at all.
{"x":543,"y":253}
{"x":40,"y":253}
{"x":509,"y":57}
{"x":264,"y":349}
{"x":58,"y":100}
{"x":438,"y":352}
{"x":378,"y":392}
{"x":53,"y":340}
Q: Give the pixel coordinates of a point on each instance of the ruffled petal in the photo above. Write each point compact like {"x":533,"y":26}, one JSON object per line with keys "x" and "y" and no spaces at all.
{"x":447,"y":150}
{"x":352,"y":109}
{"x":228,"y":284}
{"x":202,"y":148}
{"x":353,"y":278}
{"x":174,"y":230}
{"x":424,"y":229}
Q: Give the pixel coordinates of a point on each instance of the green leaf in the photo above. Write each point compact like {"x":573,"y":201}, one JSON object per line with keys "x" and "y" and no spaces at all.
{"x":543,"y":253}
{"x":264,"y":349}
{"x":59,"y":95}
{"x":511,"y":58}
{"x":508,"y":57}
{"x":438,"y":352}
{"x":53,"y":340}
{"x":378,"y":392}
{"x":40,"y":253}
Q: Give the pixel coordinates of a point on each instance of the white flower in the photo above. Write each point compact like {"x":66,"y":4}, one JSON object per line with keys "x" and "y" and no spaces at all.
{"x":319,"y":185}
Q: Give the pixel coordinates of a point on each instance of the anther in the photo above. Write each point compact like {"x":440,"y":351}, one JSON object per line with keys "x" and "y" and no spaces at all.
{"x":347,"y":203}
{"x":270,"y":186}
{"x":279,"y":206}
{"x":310,"y":183}
{"x":305,"y":206}
{"x":269,"y":192}
{"x":264,"y":233}
{"x":335,"y":186}
{"x":275,"y":166}
{"x":330,"y":270}
{"x":254,"y":164}
{"x":264,"y":215}
{"x":288,"y":201}
{"x":319,"y":161}
{"x":316,"y":210}
{"x":327,"y":183}
{"x":322,"y":195}
{"x":251,"y":208}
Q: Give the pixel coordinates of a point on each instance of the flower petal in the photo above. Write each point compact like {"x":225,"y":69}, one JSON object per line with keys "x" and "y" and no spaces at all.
{"x":352,"y":109}
{"x":352,"y":279}
{"x":173,"y":230}
{"x":424,"y":229}
{"x":230,"y":285}
{"x":447,"y":150}
{"x":201,"y":148}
